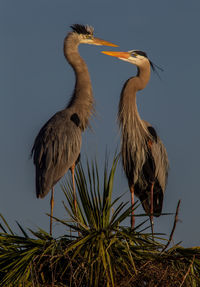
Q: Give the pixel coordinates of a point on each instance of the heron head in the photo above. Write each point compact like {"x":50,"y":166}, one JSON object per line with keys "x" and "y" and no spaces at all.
{"x":136,"y":57}
{"x":85,"y":35}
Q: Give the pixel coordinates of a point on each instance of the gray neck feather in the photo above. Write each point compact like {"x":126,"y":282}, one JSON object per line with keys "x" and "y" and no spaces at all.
{"x":134,"y":131}
{"x":82,"y":100}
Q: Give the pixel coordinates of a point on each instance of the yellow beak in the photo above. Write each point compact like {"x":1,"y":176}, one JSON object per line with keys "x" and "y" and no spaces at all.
{"x":101,"y":42}
{"x":124,"y":55}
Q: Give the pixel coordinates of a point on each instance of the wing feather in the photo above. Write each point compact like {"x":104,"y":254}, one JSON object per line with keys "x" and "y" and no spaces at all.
{"x":155,"y":169}
{"x":159,"y":154}
{"x":56,"y":148}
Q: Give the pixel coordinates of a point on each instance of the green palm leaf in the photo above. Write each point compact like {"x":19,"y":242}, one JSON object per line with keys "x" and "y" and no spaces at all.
{"x":97,"y":250}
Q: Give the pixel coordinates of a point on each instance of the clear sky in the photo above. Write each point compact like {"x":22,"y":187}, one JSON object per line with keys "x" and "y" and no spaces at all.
{"x":36,"y":81}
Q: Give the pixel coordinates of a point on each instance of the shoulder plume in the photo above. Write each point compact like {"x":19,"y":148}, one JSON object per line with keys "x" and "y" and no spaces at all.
{"x":81,"y":29}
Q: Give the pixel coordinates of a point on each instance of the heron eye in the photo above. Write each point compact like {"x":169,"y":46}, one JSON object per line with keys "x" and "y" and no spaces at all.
{"x":133,"y":55}
{"x":89,"y":36}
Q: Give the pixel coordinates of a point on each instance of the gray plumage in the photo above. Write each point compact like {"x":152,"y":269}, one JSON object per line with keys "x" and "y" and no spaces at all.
{"x":144,"y":156}
{"x":57,"y":145}
{"x":56,"y":149}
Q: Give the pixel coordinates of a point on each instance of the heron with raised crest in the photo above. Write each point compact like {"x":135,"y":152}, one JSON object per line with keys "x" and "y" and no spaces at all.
{"x":57,"y":145}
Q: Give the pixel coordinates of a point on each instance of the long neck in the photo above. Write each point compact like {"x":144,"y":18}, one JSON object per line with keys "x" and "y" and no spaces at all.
{"x":143,"y":76}
{"x":128,"y":113}
{"x":82,"y":100}
{"x":133,"y":129}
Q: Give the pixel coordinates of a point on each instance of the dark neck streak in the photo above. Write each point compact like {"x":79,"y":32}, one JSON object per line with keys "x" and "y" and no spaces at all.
{"x":82,"y":100}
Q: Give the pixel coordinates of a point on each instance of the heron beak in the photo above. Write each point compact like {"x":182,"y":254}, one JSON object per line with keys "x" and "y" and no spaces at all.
{"x":123,"y":55}
{"x":100,"y":42}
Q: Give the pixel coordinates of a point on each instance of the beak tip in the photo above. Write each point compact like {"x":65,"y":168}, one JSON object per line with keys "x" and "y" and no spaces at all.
{"x":110,"y":44}
{"x":124,"y":55}
{"x":104,"y":43}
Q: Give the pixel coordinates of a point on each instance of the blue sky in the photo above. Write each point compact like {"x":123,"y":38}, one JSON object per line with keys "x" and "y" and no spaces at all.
{"x":36,"y":81}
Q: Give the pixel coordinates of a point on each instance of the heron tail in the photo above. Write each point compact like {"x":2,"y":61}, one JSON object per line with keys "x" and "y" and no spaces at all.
{"x":157,"y":200}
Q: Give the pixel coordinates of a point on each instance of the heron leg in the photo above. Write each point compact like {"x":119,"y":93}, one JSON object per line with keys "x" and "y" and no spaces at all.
{"x":151,"y":207}
{"x":51,"y":205}
{"x":132,"y":204}
{"x":74,"y":190}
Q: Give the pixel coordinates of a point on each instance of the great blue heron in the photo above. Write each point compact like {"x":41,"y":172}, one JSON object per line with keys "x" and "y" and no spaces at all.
{"x":144,"y":156}
{"x":58,"y":143}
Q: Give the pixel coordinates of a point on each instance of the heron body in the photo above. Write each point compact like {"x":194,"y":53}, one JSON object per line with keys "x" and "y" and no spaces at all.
{"x":144,"y":156}
{"x":58,"y":143}
{"x":56,"y":149}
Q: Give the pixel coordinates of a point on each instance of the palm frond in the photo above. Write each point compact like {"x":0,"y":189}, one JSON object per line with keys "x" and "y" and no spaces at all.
{"x":97,"y":250}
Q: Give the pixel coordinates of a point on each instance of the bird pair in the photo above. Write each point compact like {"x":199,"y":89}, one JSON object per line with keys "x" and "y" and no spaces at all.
{"x":58,"y":143}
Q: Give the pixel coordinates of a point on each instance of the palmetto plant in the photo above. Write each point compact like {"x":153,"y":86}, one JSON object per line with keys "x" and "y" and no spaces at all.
{"x":97,"y":250}
{"x":107,"y":247}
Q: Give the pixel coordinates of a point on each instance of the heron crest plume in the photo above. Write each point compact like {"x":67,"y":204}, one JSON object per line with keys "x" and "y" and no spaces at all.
{"x":154,"y":67}
{"x":81,"y":29}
